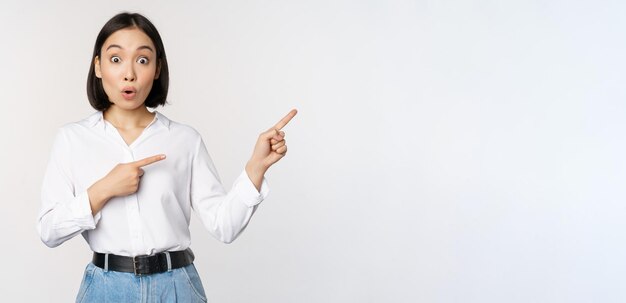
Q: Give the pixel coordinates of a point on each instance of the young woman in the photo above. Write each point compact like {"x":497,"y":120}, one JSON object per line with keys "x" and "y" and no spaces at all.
{"x":126,"y":178}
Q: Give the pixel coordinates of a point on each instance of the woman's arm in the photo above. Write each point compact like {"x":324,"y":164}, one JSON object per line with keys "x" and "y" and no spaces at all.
{"x":65,"y":213}
{"x":226,"y":214}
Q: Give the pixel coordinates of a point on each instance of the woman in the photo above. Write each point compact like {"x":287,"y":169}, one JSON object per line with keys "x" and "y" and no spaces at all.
{"x":126,"y":178}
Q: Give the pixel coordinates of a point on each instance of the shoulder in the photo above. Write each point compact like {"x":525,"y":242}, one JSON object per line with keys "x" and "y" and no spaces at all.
{"x":79,"y":126}
{"x":69,"y":133}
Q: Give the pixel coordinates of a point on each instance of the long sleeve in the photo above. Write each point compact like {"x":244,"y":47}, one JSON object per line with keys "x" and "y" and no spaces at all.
{"x":224,"y":214}
{"x":64,"y":213}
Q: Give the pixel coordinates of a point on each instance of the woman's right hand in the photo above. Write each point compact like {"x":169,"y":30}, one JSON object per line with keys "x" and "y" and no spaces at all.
{"x":122,"y":180}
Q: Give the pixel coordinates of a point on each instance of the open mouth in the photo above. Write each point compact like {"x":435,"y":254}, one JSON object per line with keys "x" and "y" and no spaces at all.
{"x":128,"y":93}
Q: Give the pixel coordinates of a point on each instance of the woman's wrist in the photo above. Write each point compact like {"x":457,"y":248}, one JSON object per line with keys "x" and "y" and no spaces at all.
{"x":256,"y":172}
{"x":98,"y":196}
{"x":256,"y":167}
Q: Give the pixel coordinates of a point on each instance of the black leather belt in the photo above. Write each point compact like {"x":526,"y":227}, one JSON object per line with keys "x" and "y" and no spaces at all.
{"x":145,"y":265}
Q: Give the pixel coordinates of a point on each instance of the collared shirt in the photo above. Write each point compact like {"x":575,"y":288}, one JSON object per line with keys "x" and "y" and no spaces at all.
{"x":156,"y":217}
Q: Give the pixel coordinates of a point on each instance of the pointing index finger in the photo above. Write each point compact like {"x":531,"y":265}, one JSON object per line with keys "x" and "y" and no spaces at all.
{"x":285,"y":120}
{"x":149,"y":160}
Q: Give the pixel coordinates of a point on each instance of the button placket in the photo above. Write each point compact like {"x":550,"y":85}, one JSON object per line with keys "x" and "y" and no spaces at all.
{"x":131,"y":201}
{"x":132,"y":210}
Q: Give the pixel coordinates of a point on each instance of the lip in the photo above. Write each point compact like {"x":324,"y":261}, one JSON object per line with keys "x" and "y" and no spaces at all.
{"x":129,"y":92}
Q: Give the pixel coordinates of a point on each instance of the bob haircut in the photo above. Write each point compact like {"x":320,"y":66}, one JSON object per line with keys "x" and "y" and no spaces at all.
{"x":95,"y":91}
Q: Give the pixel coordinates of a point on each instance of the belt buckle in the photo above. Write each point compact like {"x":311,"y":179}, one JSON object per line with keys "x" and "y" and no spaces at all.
{"x":135,"y":268}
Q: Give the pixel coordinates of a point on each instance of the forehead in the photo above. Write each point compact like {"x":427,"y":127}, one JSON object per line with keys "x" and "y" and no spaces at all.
{"x":128,"y":39}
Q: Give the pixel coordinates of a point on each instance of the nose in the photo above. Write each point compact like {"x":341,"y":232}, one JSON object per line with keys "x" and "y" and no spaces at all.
{"x":129,"y":75}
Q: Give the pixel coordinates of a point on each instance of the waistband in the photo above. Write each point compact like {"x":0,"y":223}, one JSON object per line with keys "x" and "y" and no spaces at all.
{"x":144,"y":265}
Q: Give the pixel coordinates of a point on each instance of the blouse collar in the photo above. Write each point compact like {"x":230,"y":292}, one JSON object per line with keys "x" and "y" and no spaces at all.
{"x":98,"y":117}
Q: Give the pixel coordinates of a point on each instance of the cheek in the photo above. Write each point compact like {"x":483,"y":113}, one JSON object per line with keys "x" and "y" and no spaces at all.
{"x":108,"y":73}
{"x":147,"y":77}
{"x":107,"y":81}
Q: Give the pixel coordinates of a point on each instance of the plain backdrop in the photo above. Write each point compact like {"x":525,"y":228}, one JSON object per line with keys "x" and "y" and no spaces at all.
{"x":445,"y":151}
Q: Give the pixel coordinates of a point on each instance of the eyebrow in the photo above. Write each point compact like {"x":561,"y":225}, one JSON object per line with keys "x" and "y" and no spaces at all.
{"x":139,"y":48}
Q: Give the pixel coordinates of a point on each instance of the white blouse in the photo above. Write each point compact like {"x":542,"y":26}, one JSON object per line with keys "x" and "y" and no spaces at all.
{"x":156,"y":217}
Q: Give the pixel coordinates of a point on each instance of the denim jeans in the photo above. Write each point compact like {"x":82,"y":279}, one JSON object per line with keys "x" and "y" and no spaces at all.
{"x":178,"y":285}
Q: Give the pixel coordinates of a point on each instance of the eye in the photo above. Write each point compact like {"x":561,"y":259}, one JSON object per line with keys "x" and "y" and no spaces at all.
{"x":115,"y":59}
{"x":142,"y":60}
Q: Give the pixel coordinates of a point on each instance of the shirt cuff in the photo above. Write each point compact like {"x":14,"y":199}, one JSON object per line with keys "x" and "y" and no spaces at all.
{"x":248,"y":193}
{"x":81,"y":210}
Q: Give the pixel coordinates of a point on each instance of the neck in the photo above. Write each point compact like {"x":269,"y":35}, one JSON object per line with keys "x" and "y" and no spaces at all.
{"x":128,"y":119}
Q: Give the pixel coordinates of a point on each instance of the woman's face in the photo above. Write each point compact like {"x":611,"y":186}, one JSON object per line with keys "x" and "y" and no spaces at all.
{"x":127,"y":66}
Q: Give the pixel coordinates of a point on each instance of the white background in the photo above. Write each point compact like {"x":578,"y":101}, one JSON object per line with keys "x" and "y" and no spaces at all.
{"x":445,"y":151}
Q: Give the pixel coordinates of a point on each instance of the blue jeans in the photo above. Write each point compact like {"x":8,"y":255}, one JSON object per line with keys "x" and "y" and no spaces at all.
{"x":178,"y":285}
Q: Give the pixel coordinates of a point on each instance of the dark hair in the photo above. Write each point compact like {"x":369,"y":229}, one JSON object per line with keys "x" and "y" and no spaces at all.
{"x":95,"y":92}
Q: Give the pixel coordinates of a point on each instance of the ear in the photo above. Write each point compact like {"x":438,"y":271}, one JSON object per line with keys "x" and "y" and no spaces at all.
{"x":96,"y":65}
{"x":158,"y":71}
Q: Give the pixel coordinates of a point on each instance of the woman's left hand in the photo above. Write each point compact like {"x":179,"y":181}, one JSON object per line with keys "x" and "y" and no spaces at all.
{"x":270,"y":147}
